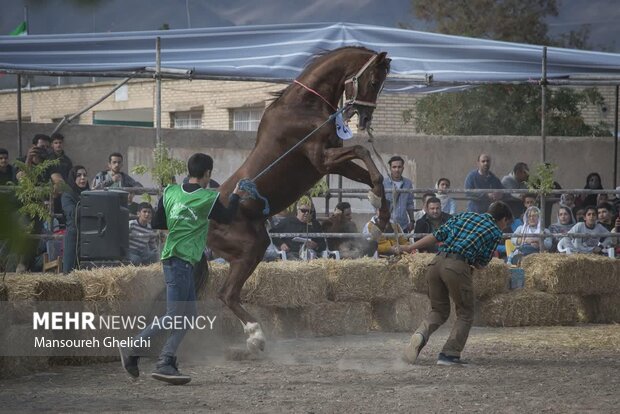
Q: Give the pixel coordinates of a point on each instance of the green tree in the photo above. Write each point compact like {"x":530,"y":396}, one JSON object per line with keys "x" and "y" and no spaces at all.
{"x":503,"y":109}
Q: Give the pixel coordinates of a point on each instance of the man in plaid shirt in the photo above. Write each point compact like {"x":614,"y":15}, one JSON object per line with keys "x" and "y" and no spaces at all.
{"x":469,"y":240}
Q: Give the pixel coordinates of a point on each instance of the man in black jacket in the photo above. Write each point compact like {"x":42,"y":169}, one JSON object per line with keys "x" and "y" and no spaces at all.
{"x":431,"y":221}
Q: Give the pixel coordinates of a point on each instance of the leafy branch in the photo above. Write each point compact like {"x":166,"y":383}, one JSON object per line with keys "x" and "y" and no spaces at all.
{"x":164,"y":167}
{"x":542,"y":180}
{"x":31,"y":192}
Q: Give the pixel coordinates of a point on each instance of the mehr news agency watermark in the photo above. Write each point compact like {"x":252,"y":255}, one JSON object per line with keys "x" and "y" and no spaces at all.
{"x":53,"y":322}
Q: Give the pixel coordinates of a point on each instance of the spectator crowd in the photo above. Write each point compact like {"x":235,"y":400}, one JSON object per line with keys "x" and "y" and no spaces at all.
{"x":591,"y":216}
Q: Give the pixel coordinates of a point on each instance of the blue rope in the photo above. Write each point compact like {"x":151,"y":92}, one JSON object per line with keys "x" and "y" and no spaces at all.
{"x":249,"y":187}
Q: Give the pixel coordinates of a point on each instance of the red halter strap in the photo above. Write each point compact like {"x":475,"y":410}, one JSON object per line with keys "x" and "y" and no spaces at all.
{"x":316,"y":93}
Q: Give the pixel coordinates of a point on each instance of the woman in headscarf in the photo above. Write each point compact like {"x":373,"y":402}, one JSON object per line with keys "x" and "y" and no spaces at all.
{"x":564,"y":223}
{"x":525,"y":241}
{"x":593,"y":182}
{"x":78,"y":182}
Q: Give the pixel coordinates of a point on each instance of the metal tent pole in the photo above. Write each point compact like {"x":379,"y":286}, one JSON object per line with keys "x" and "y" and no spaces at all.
{"x":616,"y":142}
{"x":19,"y":116}
{"x":158,"y":91}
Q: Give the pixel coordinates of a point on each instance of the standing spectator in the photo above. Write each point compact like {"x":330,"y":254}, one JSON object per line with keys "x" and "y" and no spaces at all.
{"x":402,"y":205}
{"x":301,"y":223}
{"x":113,"y":177}
{"x":469,"y":240}
{"x":593,"y":182}
{"x":482,"y":178}
{"x":605,"y":215}
{"x":42,"y":141}
{"x":37,"y":155}
{"x":386,"y":245}
{"x":58,"y":153}
{"x":142,"y":237}
{"x":563,"y":224}
{"x":517,"y":179}
{"x":448,"y":205}
{"x":7,"y":171}
{"x":77,"y":180}
{"x":588,"y":226}
{"x":431,"y":221}
{"x":420,"y":213}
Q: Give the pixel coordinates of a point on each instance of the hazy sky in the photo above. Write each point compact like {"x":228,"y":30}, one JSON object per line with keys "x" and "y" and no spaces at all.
{"x":69,"y":16}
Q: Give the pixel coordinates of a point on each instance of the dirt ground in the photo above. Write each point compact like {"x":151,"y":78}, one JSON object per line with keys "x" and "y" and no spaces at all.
{"x":512,"y":370}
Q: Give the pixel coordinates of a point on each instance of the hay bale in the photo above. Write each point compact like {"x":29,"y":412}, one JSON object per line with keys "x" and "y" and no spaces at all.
{"x":417,"y":264}
{"x":609,"y":308}
{"x":491,"y":280}
{"x":4,"y":292}
{"x":338,"y":318}
{"x":286,"y":284}
{"x":401,"y":315}
{"x":532,"y":308}
{"x":581,"y":274}
{"x":43,"y":287}
{"x":367,"y":280}
{"x":112,"y":285}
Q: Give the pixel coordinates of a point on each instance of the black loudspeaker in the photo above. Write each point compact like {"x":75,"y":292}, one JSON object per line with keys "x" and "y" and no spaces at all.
{"x":104,"y":225}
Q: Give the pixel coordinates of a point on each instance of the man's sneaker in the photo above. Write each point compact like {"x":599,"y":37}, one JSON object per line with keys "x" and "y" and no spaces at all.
{"x":448,"y":360}
{"x":167,"y":370}
{"x":129,"y":362}
{"x":412,"y":350}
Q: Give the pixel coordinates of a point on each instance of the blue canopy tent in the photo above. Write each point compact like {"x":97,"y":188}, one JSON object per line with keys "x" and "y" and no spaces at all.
{"x":421,"y":62}
{"x":279,"y":53}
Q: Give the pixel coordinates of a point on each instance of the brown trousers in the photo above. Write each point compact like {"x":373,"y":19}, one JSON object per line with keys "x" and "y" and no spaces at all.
{"x":449,"y":278}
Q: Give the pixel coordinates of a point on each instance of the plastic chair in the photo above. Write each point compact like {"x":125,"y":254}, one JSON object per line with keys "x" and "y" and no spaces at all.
{"x":564,"y":245}
{"x":510,"y":247}
{"x":328,"y":253}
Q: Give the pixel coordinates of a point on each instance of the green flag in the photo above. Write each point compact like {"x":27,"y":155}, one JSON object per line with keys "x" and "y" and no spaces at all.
{"x":20,"y":30}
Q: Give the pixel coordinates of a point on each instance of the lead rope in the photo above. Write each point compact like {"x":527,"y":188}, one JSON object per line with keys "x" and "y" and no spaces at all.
{"x":371,"y":139}
{"x":249,"y":185}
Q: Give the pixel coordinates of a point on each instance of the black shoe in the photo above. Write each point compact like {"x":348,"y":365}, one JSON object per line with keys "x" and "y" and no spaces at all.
{"x":448,"y":360}
{"x":412,"y":350}
{"x":129,"y":362}
{"x":167,"y":370}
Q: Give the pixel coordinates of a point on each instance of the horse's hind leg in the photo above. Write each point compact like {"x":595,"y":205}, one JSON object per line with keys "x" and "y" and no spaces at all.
{"x":241,"y":268}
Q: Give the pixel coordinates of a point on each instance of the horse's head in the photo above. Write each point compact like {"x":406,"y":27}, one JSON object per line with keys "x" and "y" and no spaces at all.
{"x":363,"y":88}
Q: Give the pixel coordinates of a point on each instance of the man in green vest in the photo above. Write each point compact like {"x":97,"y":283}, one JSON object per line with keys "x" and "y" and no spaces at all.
{"x":185,"y":210}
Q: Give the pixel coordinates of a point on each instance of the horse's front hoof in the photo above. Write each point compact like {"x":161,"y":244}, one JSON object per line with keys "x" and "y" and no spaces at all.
{"x":256,"y":340}
{"x":374,"y":200}
{"x":255,"y":345}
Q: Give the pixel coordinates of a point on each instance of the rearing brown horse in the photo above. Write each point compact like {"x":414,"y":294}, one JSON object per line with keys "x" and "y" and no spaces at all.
{"x":302,"y":107}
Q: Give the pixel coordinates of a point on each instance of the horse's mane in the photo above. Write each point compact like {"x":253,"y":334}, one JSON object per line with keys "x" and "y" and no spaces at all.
{"x":315,"y":60}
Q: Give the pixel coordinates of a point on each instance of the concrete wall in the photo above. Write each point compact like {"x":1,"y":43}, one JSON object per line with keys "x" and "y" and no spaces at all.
{"x":428,"y":157}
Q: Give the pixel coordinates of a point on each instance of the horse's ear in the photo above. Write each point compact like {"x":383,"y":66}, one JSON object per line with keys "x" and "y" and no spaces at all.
{"x":382,"y":57}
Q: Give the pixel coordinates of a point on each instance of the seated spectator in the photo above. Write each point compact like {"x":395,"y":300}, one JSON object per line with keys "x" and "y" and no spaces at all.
{"x":340,"y":222}
{"x":132,"y":206}
{"x":528,"y":200}
{"x":420,"y":213}
{"x":142,"y":238}
{"x":526,"y":242}
{"x":386,"y":245}
{"x":113,"y":177}
{"x":77,"y":180}
{"x":448,"y":205}
{"x":300,"y":223}
{"x":616,"y":240}
{"x":565,"y":221}
{"x":402,"y":205}
{"x":593,"y":182}
{"x":431,"y":221}
{"x":580,"y":214}
{"x":588,"y":226}
{"x":65,"y":164}
{"x":605,"y":215}
{"x":7,"y":171}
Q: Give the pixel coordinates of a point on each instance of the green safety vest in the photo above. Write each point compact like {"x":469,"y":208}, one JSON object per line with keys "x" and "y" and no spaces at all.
{"x":187,"y":218}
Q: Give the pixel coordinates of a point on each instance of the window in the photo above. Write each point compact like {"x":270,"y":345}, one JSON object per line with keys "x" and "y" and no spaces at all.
{"x":246,"y":119}
{"x":186,"y":120}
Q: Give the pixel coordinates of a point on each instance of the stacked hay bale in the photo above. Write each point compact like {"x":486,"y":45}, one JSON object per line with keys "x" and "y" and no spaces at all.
{"x":559,"y":290}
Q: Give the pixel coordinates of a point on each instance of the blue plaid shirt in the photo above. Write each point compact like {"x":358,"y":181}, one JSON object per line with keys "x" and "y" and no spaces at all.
{"x":472,"y":235}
